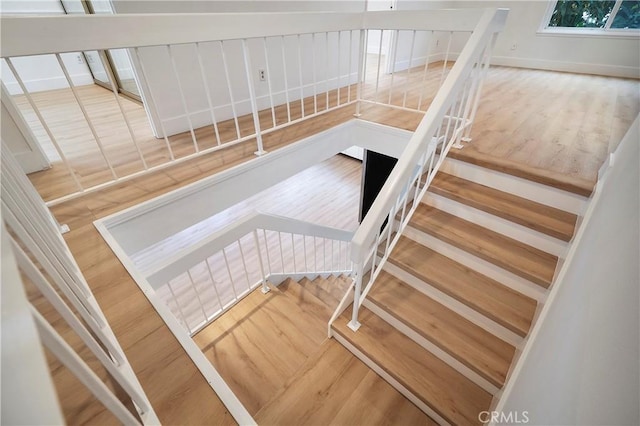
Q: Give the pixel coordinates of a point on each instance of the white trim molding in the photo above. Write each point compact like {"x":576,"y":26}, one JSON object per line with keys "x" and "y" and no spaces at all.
{"x":574,"y":67}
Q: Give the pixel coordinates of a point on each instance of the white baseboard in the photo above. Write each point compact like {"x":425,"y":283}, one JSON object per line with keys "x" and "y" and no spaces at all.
{"x":42,"y":84}
{"x":575,"y":67}
{"x":415,"y":62}
{"x":178,"y":124}
{"x":421,"y":60}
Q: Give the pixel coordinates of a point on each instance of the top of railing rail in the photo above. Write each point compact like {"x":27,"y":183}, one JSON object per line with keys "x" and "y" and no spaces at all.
{"x":492,"y":21}
{"x":24,"y":35}
{"x":196,"y":253}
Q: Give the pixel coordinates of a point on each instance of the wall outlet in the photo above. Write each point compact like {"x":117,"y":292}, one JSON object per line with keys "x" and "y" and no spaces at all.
{"x":262,"y":75}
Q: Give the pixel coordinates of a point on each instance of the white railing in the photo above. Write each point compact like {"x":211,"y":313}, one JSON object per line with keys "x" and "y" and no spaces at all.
{"x":50,"y":273}
{"x":210,"y":81}
{"x":201,"y":282}
{"x":446,"y":123}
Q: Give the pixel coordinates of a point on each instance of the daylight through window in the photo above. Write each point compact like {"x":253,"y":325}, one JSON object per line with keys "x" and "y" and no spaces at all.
{"x":596,"y":14}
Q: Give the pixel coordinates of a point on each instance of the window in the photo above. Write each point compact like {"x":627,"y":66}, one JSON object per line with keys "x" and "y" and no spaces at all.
{"x":613,"y":17}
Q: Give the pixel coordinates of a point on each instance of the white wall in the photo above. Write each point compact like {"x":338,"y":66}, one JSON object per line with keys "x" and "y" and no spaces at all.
{"x":42,"y":72}
{"x":609,"y":55}
{"x":163,"y":85}
{"x":433,"y":44}
{"x":583,"y":365}
{"x":213,"y":6}
{"x":18,"y":137}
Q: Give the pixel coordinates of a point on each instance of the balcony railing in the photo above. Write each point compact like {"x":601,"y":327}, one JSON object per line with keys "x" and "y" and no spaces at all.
{"x":211,"y":81}
{"x":49,"y":273}
{"x":201,"y":282}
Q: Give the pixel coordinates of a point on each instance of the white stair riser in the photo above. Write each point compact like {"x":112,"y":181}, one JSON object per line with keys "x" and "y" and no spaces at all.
{"x":497,"y":224}
{"x":431,"y":347}
{"x":455,"y":305}
{"x":471,"y":261}
{"x":390,"y":379}
{"x":524,"y":188}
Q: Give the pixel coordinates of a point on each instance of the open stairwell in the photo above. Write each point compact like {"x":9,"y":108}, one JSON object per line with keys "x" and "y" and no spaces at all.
{"x":457,"y":296}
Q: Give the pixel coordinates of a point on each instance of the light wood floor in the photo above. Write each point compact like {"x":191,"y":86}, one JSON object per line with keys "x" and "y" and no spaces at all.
{"x":176,"y":389}
{"x":273,"y":352}
{"x":545,"y":122}
{"x":559,"y":124}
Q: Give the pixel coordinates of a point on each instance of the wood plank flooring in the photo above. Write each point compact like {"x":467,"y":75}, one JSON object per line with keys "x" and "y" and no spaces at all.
{"x":560,"y":125}
{"x":176,"y":389}
{"x":416,"y":369}
{"x":582,"y":117}
{"x":476,"y":348}
{"x":536,"y":216}
{"x":521,"y":259}
{"x":498,"y":302}
{"x":552,"y":127}
{"x":340,"y":390}
{"x":274,"y":353}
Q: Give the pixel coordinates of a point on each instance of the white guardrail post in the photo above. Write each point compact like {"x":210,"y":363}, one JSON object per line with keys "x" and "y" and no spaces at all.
{"x":265,"y":287}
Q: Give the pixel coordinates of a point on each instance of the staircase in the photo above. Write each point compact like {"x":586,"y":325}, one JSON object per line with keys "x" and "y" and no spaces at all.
{"x":459,"y":292}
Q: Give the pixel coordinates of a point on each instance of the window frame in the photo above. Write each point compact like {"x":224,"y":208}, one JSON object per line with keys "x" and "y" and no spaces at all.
{"x":607,"y":31}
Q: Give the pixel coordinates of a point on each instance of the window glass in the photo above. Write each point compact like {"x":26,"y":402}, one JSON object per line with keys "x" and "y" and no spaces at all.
{"x":582,"y":14}
{"x":628,"y":15}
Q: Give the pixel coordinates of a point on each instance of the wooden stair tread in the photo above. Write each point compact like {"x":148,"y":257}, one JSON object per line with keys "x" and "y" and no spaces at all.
{"x":521,"y":259}
{"x":318,"y":291}
{"x":259,"y":343}
{"x":473,"y":346}
{"x":306,"y":300}
{"x":548,"y":220}
{"x":330,"y":290}
{"x":454,"y":397}
{"x":503,"y":305}
{"x":547,"y":177}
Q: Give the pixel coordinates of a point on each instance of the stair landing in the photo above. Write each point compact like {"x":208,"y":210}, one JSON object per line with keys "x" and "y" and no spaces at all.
{"x":273,"y":352}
